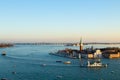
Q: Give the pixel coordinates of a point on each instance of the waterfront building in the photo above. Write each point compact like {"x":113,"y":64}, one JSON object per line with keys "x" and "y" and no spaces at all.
{"x":96,"y":54}
{"x":114,"y":55}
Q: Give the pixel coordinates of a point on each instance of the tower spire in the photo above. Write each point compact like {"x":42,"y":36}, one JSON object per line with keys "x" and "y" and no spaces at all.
{"x":80,"y":40}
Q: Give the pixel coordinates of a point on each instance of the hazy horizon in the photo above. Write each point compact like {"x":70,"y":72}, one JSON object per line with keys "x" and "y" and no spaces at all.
{"x":59,"y":20}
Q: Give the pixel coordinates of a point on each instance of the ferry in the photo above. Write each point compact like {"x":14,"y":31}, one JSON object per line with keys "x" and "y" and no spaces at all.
{"x":95,"y":64}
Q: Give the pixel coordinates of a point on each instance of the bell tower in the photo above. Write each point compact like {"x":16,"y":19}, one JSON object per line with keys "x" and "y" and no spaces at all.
{"x":81,"y":45}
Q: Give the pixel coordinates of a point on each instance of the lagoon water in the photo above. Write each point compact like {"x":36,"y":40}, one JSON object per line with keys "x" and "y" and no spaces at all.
{"x":25,"y":62}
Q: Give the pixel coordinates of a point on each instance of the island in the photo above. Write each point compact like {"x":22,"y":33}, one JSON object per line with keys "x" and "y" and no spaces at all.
{"x":3,"y":45}
{"x":89,"y":53}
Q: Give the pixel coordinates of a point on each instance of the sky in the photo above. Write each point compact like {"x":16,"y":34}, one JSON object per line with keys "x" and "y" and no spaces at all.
{"x":59,"y":20}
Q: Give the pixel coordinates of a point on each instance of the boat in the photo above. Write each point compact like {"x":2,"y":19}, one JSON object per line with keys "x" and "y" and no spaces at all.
{"x":3,"y":79}
{"x":3,"y":53}
{"x":58,"y":61}
{"x":43,"y":64}
{"x":67,"y":62}
{"x":95,"y":64}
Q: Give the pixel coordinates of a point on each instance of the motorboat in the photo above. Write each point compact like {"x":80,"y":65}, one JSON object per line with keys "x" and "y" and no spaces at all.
{"x":58,"y":61}
{"x":3,"y":53}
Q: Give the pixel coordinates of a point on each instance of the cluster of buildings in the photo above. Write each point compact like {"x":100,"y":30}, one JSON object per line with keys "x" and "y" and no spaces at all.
{"x":90,"y":53}
{"x":111,"y":52}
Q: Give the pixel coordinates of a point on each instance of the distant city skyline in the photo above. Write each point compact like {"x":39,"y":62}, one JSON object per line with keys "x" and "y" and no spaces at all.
{"x":59,"y":20}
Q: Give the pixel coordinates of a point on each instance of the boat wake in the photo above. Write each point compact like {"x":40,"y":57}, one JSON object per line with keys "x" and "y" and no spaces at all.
{"x":39,"y":62}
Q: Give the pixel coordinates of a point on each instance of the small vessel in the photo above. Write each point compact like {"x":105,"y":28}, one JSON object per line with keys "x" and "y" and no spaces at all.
{"x":3,"y":53}
{"x":4,"y":79}
{"x":58,"y":61}
{"x":43,"y":64}
{"x":13,"y":72}
{"x":59,"y":76}
{"x":67,"y":62}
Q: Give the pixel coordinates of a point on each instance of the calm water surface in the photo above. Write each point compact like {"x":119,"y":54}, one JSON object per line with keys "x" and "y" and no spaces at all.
{"x":23,"y":62}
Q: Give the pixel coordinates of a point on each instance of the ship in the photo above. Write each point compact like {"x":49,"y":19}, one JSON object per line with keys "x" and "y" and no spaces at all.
{"x":94,"y":64}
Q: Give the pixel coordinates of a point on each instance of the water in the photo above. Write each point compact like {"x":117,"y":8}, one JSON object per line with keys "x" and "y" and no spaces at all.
{"x":24,"y":62}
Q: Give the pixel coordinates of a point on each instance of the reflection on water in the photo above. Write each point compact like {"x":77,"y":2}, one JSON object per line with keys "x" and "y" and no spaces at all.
{"x":32,"y":62}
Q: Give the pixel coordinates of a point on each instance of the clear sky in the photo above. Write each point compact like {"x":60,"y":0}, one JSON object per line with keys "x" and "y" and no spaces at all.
{"x":59,"y":20}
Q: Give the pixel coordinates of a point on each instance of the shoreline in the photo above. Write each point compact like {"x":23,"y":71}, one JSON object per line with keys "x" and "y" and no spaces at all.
{"x":66,"y":44}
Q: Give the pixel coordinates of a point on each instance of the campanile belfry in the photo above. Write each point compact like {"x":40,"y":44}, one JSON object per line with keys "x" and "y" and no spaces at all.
{"x":81,"y":45}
